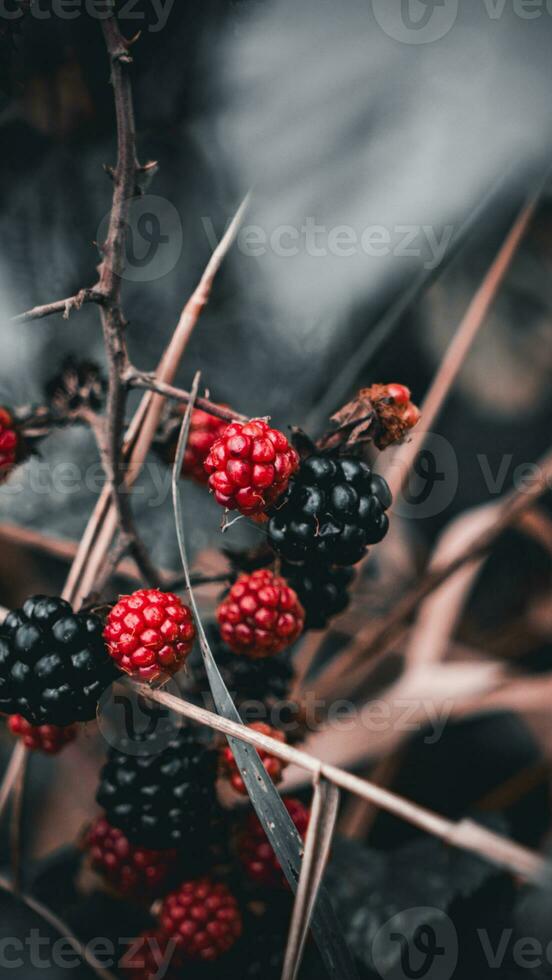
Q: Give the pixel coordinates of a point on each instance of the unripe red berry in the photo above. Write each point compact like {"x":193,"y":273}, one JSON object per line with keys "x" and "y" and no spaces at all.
{"x":261,"y":615}
{"x":255,"y":851}
{"x":9,"y":444}
{"x":49,"y":739}
{"x":203,"y":918}
{"x":130,"y":870}
{"x":274,"y":766}
{"x":249,"y":466}
{"x":149,"y":633}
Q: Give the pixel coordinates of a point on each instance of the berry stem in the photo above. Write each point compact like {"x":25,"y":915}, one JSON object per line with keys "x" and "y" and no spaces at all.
{"x":16,"y":763}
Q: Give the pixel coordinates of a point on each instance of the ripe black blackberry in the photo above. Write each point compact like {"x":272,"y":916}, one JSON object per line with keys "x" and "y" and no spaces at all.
{"x":332,"y":510}
{"x":266,"y":681}
{"x":323,"y":590}
{"x":53,"y":663}
{"x":161,"y":799}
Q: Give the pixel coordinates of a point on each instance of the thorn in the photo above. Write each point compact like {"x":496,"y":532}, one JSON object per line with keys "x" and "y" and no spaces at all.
{"x":149,"y":166}
{"x":129,"y":41}
{"x":110,"y":171}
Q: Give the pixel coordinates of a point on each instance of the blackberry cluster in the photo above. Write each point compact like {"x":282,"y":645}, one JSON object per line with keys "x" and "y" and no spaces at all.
{"x":160,"y":799}
{"x":323,"y":591}
{"x":333,"y":509}
{"x":53,"y":663}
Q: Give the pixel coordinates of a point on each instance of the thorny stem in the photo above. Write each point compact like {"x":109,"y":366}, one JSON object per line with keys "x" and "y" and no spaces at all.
{"x":110,"y":287}
{"x":141,"y":379}
{"x":64,"y":306}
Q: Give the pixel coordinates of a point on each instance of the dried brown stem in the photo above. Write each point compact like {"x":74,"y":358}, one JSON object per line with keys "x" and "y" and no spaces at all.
{"x":103,"y":523}
{"x":140,"y":379}
{"x":16,"y":823}
{"x":398,"y":468}
{"x":110,"y":287}
{"x":15,"y":765}
{"x":341,"y":675}
{"x":402,"y":460}
{"x":463,"y":834}
{"x":318,"y":841}
{"x":64,"y":306}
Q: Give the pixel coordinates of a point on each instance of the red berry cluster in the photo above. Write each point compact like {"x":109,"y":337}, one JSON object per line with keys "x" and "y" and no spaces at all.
{"x":149,"y":633}
{"x":205,"y":429}
{"x":249,"y":466}
{"x":255,"y":851}
{"x":8,"y":444}
{"x":203,"y":918}
{"x":130,"y":870}
{"x":49,"y":739}
{"x":274,"y":767}
{"x":261,"y":615}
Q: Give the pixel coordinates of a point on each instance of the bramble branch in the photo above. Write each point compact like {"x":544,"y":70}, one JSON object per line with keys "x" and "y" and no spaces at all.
{"x":141,"y":379}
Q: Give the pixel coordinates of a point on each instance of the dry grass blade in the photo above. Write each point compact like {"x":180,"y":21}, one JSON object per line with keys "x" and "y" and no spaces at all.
{"x":16,"y":823}
{"x":15,"y":765}
{"x":266,"y":800}
{"x":398,"y":469}
{"x":318,"y":841}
